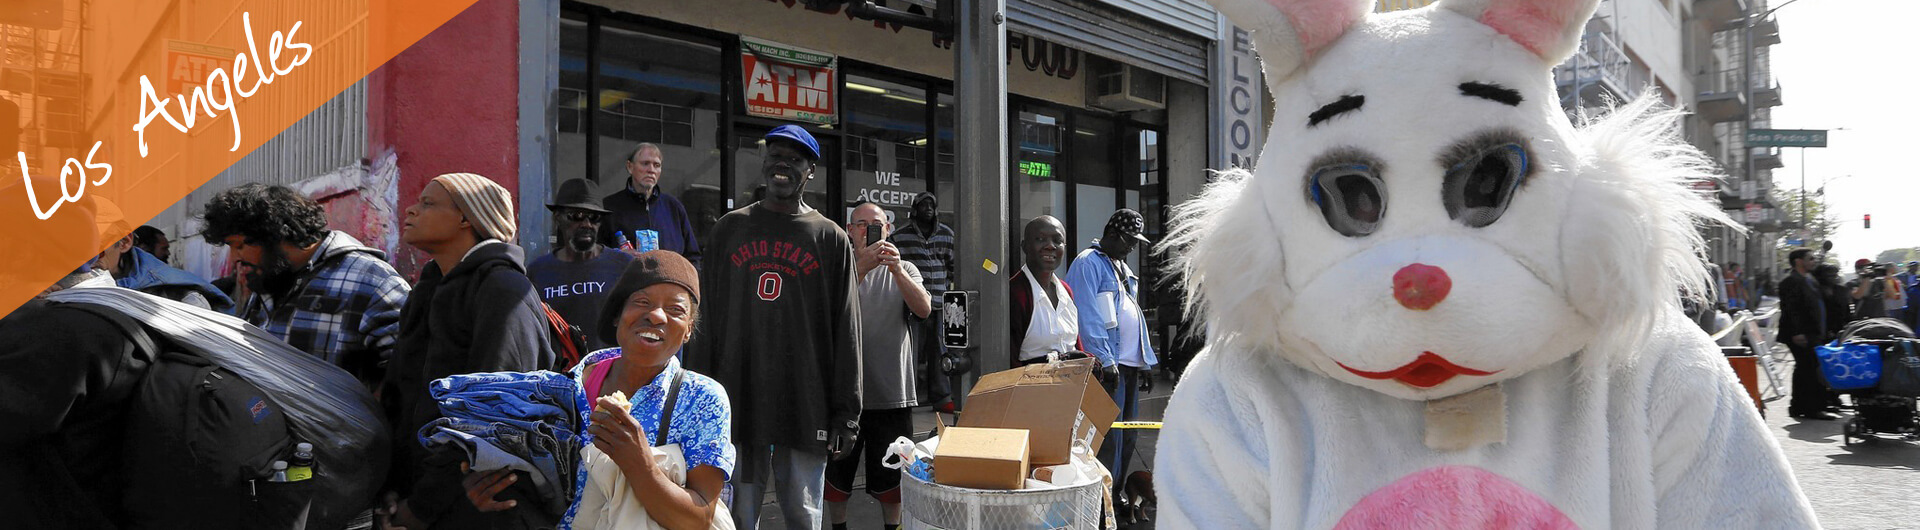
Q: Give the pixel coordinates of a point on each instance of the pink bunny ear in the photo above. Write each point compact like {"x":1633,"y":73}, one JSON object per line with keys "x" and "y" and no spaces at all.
{"x":1288,"y":33}
{"x":1548,"y":28}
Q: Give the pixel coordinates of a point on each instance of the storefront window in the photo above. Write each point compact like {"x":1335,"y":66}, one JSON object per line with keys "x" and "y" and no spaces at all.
{"x":886,"y":143}
{"x":570,"y":103}
{"x":1039,"y":183}
{"x":945,"y":164}
{"x":1096,"y":181}
{"x":663,"y":90}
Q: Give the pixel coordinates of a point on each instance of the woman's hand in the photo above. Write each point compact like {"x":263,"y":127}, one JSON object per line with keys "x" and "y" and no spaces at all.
{"x":620,"y":436}
{"x":393,"y":514}
{"x":482,"y":488}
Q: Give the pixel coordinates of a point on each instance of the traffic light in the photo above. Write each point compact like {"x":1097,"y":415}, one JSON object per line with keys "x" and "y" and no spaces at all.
{"x":1868,"y":220}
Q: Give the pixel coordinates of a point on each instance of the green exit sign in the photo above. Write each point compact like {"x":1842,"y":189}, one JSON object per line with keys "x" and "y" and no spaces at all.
{"x":1036,"y":169}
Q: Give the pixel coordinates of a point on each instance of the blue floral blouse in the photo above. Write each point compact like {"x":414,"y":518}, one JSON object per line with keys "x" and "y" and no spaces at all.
{"x":702,"y":420}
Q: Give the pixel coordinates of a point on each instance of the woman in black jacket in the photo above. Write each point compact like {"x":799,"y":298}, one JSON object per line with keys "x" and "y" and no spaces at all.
{"x":474,"y":310}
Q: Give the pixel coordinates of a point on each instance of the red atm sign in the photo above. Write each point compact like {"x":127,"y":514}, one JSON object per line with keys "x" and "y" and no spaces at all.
{"x":788,"y":83}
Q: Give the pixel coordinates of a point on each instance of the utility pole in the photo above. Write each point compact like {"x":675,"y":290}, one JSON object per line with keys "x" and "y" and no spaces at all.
{"x":980,"y":92}
{"x":979,"y":31}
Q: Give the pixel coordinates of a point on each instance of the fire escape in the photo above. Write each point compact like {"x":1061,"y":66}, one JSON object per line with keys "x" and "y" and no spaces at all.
{"x":1601,"y":72}
{"x":40,"y":73}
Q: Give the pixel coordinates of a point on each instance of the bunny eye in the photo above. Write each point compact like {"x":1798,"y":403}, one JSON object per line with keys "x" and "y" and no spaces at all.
{"x":1483,"y":177}
{"x":1351,"y":198}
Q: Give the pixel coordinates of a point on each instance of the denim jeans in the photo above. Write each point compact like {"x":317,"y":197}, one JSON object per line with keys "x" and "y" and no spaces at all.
{"x":800,"y":477}
{"x":1117,"y":452}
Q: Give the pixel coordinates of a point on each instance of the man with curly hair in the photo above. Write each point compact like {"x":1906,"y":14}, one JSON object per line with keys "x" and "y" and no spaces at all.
{"x":320,"y":290}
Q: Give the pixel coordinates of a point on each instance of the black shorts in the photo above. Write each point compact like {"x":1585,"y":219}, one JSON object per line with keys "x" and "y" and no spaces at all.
{"x":878,"y":429}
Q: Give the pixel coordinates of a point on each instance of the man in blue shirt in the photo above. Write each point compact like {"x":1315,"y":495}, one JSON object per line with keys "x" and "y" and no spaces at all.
{"x":642,"y":205}
{"x":1113,"y":328}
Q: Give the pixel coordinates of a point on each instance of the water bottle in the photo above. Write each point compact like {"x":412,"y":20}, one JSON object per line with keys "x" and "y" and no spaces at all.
{"x":279,"y":471}
{"x":624,"y":243}
{"x":301,"y":467}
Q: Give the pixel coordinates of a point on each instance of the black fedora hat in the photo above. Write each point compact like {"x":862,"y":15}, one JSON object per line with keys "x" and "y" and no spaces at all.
{"x":575,"y":193}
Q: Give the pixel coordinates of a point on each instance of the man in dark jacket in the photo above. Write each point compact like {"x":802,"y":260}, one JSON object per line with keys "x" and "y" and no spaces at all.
{"x":1803,"y":325}
{"x":782,"y":334}
{"x":643,"y":205}
{"x":473,"y":311}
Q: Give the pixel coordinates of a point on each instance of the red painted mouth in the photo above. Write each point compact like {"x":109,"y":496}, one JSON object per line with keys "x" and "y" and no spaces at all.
{"x":1426,"y":371}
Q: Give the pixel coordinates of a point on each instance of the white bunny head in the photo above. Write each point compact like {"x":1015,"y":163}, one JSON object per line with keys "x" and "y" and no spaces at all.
{"x":1424,"y":219}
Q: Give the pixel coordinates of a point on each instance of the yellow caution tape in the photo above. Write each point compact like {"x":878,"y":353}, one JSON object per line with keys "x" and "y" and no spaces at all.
{"x":1136,"y":425}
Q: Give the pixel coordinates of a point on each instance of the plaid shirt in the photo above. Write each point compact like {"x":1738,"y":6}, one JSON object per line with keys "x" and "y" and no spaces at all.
{"x":347,"y":300}
{"x":931,"y":253}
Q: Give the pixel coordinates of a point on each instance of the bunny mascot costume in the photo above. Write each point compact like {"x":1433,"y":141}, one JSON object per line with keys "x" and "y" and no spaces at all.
{"x":1437,"y":303}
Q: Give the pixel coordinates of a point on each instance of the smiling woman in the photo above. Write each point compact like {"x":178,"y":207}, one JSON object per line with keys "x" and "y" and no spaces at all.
{"x":662,"y":458}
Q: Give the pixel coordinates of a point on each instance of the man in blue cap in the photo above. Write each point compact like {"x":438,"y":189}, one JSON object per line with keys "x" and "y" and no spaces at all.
{"x":782,"y":335}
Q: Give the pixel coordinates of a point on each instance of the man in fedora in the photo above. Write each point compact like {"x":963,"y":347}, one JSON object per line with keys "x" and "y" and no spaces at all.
{"x":575,"y":277}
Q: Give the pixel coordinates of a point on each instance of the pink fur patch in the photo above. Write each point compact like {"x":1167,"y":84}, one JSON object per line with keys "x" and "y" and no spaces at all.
{"x":1318,"y":22}
{"x":1537,"y":25}
{"x":1447,"y":497}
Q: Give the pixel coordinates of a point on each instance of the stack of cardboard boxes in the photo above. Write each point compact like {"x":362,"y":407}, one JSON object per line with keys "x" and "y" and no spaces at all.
{"x":1024,"y":419}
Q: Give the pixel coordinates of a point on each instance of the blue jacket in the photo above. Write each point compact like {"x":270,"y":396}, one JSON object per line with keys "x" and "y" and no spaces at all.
{"x":152,"y":276}
{"x":1091,"y":276}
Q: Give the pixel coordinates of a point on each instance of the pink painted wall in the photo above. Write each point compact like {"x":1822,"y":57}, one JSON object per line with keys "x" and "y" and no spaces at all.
{"x":450,"y":104}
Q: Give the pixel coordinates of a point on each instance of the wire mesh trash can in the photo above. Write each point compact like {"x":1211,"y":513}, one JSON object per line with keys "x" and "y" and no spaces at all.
{"x":925,"y":505}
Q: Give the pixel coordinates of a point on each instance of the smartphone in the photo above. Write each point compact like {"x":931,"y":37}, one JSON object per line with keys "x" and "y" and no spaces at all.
{"x":873,"y":235}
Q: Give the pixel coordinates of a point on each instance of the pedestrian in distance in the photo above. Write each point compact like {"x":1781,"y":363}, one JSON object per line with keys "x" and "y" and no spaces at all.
{"x":1803,"y":325}
{"x":929,"y":245}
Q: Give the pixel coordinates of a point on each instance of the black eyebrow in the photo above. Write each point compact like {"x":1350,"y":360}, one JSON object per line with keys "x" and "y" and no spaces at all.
{"x":1344,"y":104}
{"x":1491,"y":92}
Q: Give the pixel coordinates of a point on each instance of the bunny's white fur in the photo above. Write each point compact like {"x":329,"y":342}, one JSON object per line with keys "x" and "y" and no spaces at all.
{"x":1620,"y":413}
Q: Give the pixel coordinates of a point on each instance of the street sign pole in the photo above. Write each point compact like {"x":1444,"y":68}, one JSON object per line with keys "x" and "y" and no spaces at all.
{"x":980,"y":90}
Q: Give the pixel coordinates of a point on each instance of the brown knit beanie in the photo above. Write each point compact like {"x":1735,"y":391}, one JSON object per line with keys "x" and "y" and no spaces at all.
{"x":648,"y":269}
{"x":487,"y":205}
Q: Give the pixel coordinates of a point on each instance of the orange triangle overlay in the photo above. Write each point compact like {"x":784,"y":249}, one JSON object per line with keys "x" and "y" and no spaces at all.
{"x":231,"y":73}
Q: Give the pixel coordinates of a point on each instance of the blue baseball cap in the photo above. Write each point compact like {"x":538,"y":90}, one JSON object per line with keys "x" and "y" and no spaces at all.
{"x":798,"y":135}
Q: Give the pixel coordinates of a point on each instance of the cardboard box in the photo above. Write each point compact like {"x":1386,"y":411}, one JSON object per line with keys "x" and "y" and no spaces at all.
{"x":1057,"y":404}
{"x":988,"y":459}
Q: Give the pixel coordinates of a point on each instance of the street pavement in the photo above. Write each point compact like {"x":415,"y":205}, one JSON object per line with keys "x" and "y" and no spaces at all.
{"x":1866,"y":486}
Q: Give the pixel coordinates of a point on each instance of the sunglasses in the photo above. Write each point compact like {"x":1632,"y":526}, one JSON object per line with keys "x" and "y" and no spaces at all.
{"x":583,"y":217}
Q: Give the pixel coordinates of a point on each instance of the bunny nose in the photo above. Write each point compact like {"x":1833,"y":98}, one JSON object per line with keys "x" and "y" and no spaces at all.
{"x":1419,"y":287}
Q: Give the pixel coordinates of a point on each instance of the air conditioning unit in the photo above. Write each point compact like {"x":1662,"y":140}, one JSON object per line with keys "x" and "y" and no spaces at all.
{"x":1124,"y":87}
